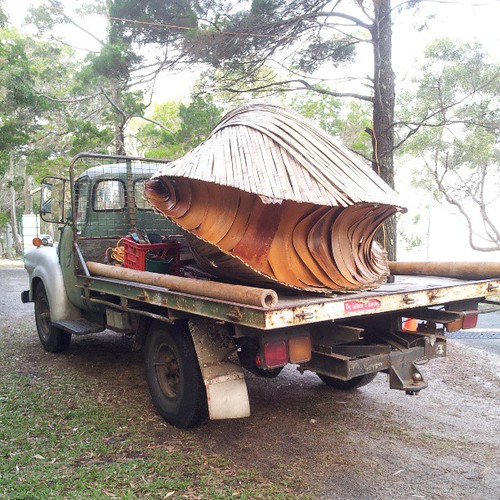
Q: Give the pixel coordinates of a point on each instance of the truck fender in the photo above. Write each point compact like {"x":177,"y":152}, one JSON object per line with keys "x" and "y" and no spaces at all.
{"x":223,"y":376}
{"x":43,"y":265}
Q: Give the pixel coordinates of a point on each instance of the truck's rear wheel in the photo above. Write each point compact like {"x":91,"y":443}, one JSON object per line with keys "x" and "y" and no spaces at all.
{"x":174,"y":376}
{"x":53,"y":339}
{"x":346,"y":385}
{"x":260,"y":372}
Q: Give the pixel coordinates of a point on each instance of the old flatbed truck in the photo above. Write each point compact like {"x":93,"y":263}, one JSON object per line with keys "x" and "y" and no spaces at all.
{"x":197,"y":341}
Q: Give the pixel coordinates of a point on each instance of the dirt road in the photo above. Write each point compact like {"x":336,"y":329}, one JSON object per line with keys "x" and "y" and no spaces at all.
{"x":372,"y":443}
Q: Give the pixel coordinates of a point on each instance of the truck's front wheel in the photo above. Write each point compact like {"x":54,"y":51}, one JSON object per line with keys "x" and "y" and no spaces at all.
{"x":52,"y":339}
{"x":174,"y":376}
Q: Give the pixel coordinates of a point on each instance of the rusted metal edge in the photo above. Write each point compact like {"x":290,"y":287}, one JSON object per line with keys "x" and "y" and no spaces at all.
{"x":118,"y":307}
{"x":349,"y":307}
{"x":327,"y":309}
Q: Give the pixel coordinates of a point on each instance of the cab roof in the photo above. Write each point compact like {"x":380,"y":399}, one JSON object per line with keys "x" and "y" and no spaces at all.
{"x":119,"y":170}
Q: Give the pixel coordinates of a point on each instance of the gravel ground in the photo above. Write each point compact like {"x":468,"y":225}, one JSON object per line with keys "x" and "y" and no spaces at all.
{"x":372,"y":443}
{"x":9,"y":263}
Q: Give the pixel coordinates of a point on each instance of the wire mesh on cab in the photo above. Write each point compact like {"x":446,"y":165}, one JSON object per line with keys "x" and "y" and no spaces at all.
{"x":109,"y":197}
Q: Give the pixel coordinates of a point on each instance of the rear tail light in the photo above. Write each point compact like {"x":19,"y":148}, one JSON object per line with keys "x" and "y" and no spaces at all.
{"x":410,"y":325}
{"x":470,"y":321}
{"x":454,"y":326}
{"x":275,"y":354}
{"x":468,"y":310}
{"x":299,"y":349}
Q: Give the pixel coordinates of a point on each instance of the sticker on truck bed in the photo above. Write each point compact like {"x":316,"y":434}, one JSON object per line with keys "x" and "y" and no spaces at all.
{"x":358,"y":305}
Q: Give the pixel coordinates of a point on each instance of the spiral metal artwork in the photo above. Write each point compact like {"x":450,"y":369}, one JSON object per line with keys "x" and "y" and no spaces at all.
{"x":270,"y":198}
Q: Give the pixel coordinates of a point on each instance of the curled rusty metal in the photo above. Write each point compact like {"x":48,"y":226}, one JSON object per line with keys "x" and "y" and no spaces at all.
{"x":269,"y":198}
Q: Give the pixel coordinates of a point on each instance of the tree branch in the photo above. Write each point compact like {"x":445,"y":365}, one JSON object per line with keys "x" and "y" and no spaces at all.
{"x":273,"y":86}
{"x":341,"y":15}
{"x":155,"y":122}
{"x":74,"y":23}
{"x":67,"y":101}
{"x":115,"y":105}
{"x":453,"y":201}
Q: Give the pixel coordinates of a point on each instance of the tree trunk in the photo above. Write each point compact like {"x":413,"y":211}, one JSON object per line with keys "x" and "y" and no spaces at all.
{"x":383,"y":109}
{"x":13,"y":215}
{"x":120,"y":139}
{"x":120,"y":125}
{"x":28,"y":197}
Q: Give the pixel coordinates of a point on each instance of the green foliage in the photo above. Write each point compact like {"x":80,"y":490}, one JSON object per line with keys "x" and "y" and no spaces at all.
{"x":47,"y":16}
{"x":4,"y":220}
{"x":407,"y":236}
{"x":86,"y":136}
{"x":171,"y":15}
{"x":159,"y":142}
{"x":114,"y":61}
{"x":197,"y":120}
{"x":345,"y":121}
{"x":59,"y":438}
{"x":454,"y":128}
{"x":264,"y":8}
{"x":21,"y":107}
{"x":186,"y":126}
{"x":325,"y":111}
{"x":3,"y":17}
{"x":337,"y":51}
{"x":101,"y":88}
{"x":357,"y":122}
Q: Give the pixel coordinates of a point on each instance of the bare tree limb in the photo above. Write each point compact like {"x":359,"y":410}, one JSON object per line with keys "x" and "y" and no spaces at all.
{"x":439,"y":179}
{"x":115,"y":105}
{"x":67,"y":101}
{"x":155,"y":122}
{"x":305,"y":85}
{"x":73,"y":22}
{"x":341,"y":15}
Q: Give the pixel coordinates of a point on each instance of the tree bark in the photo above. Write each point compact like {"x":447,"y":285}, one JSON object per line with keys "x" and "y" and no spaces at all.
{"x":120,"y":125}
{"x":28,"y":197}
{"x":383,"y":109}
{"x":13,"y":215}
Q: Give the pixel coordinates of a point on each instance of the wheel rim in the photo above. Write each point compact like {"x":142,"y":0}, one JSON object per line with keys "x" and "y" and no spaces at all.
{"x":44,"y":317}
{"x":167,"y":370}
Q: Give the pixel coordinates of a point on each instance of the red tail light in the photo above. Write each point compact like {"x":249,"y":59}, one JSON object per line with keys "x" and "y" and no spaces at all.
{"x":469,"y":321}
{"x":275,"y":354}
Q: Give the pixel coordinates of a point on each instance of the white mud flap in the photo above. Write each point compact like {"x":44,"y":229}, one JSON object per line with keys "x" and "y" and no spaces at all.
{"x":224,"y":379}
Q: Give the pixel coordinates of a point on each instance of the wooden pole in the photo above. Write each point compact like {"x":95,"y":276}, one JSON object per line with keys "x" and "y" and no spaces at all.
{"x":212,"y":289}
{"x":460,"y":270}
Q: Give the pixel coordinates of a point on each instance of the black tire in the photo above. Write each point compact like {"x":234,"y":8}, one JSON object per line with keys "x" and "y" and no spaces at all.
{"x":174,"y":376}
{"x":260,"y":372}
{"x":347,"y":385}
{"x":53,"y":339}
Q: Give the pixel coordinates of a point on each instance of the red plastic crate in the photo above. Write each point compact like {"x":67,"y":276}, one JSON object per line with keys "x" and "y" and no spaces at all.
{"x":135,"y":254}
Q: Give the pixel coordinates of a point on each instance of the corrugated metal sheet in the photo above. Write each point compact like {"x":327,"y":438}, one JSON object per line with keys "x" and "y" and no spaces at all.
{"x":272,"y":198}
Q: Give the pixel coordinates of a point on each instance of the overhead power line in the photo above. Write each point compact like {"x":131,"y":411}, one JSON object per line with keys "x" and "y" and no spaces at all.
{"x":186,"y":28}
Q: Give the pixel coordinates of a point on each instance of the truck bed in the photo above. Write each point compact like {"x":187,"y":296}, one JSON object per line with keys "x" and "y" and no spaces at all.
{"x":405,"y":293}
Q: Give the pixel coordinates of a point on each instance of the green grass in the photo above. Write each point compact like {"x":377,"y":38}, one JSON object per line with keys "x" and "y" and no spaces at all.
{"x":58,"y":441}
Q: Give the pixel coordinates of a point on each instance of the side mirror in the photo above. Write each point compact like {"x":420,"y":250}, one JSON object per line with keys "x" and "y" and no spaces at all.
{"x":54,"y":202}
{"x":46,"y":201}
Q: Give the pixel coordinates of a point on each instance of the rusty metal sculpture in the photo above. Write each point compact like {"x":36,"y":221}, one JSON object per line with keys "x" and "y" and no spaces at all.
{"x":270,"y":198}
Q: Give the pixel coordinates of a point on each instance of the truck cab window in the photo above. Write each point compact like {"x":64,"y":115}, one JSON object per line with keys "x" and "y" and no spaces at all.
{"x":140,"y":201}
{"x":109,"y":195}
